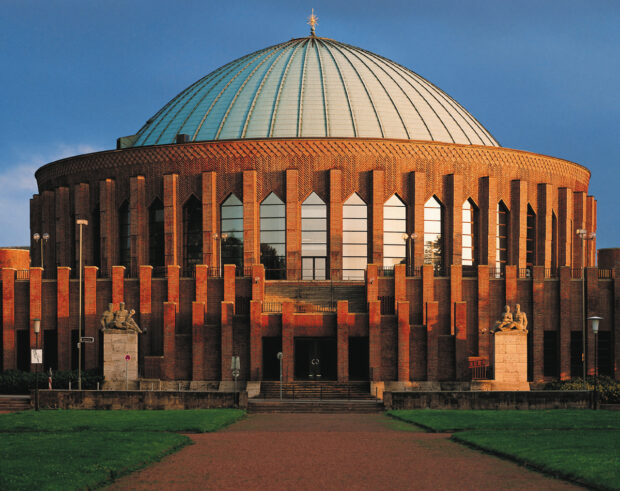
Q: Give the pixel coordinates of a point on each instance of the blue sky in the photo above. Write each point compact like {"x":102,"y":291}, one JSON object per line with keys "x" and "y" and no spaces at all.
{"x":540,"y":75}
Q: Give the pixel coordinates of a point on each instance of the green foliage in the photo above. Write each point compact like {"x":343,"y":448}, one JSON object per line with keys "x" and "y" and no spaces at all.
{"x":18,"y":382}
{"x":608,"y":388}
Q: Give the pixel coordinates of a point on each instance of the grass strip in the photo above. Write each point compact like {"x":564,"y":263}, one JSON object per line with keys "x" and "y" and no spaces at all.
{"x":78,"y":460}
{"x":190,"y":421}
{"x":566,"y":419}
{"x":589,"y":457}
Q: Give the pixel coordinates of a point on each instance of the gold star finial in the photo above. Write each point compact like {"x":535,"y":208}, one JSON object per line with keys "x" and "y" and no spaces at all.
{"x":313,"y":20}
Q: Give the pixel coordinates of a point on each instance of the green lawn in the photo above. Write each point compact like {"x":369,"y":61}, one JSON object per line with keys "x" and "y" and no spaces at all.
{"x":582,"y":445}
{"x":86,"y":449}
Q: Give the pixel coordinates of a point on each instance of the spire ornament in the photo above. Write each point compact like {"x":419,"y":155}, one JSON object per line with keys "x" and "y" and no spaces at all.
{"x":313,"y":20}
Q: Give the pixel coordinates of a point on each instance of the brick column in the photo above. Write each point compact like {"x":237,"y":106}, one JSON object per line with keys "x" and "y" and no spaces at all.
{"x":579,"y":221}
{"x":372,"y":283}
{"x":461,"y":351}
{"x":118,"y":285}
{"x":428,"y":287}
{"x":511,"y":284}
{"x":35,"y":309}
{"x":258,"y":282}
{"x":483,"y":312}
{"x":591,"y":228}
{"x":288,"y":341}
{"x":335,"y":224}
{"x":454,"y":219}
{"x":138,"y":222}
{"x":293,"y":226}
{"x":170,"y":218}
{"x":150,"y":338}
{"x":209,"y":219}
{"x":201,"y":283}
{"x":592,"y":308}
{"x":374,"y":339}
{"x":400,"y":284}
{"x":91,"y":317}
{"x":256,"y":340}
{"x":487,"y":198}
{"x":63,"y":227}
{"x":229,"y":283}
{"x":35,"y":226}
{"x":565,"y":229}
{"x":63,"y":325}
{"x":198,"y":340}
{"x":48,"y":224}
{"x":456,"y":292}
{"x":9,"y":345}
{"x":518,"y":223}
{"x":172,"y":279}
{"x":228,"y":311}
{"x":566,"y":302}
{"x":108,"y":225}
{"x":404,"y":335}
{"x":544,"y":232}
{"x":169,"y":328}
{"x":432,"y":334}
{"x":81,"y":205}
{"x":419,"y":198}
{"x":251,"y":228}
{"x":537,"y":327}
{"x":376,"y":216}
{"x":342,"y":339}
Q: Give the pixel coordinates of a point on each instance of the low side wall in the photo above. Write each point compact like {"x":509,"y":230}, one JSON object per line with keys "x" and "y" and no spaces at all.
{"x":539,"y":399}
{"x":120,"y":399}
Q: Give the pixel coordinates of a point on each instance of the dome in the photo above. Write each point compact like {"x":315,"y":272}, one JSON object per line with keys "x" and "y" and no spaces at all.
{"x":312,"y":88}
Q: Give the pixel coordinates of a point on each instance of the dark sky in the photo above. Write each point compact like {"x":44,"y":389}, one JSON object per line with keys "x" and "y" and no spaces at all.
{"x":542,"y":75}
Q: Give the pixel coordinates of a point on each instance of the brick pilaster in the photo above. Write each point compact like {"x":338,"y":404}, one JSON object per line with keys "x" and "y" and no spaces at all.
{"x":108,"y":225}
{"x":229,"y":283}
{"x":376,"y":215}
{"x":48,"y":224}
{"x":118,"y":285}
{"x":201,"y":283}
{"x":565,"y":321}
{"x":342,"y":339}
{"x":483,"y":312}
{"x":293,"y":226}
{"x":565,"y":230}
{"x":544,"y":232}
{"x":138,"y":222}
{"x":419,"y":198}
{"x":593,"y":308}
{"x":63,"y":325}
{"x":209,"y":219}
{"x":335,"y":224}
{"x":35,"y":309}
{"x":170,"y":218}
{"x":198,"y":340}
{"x":454,"y":219}
{"x":288,"y":341}
{"x":258,"y":282}
{"x":226,"y":347}
{"x":456,"y":292}
{"x":256,"y":340}
{"x":63,"y":227}
{"x":428,"y":287}
{"x":251,"y":228}
{"x":374,"y":339}
{"x":372,"y":283}
{"x":173,"y":272}
{"x":81,"y":205}
{"x":518,"y":223}
{"x":432,"y":334}
{"x":9,"y":343}
{"x":487,"y":198}
{"x":169,"y":328}
{"x":511,"y":284}
{"x":591,"y":228}
{"x":536,"y":327}
{"x":404,"y":336}
{"x":35,"y":226}
{"x":149,"y":338}
{"x":91,"y":319}
{"x":461,"y":352}
{"x":400,"y":284}
{"x":579,"y":221}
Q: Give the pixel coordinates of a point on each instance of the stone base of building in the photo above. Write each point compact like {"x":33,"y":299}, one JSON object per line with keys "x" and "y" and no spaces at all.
{"x":117,"y":346}
{"x":510,"y":361}
{"x":493,"y":385}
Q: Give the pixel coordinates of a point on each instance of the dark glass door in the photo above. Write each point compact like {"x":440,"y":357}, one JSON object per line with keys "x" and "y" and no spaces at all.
{"x":315,"y":359}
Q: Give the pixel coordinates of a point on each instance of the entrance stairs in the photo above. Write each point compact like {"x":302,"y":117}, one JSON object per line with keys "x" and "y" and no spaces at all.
{"x":10,"y":403}
{"x":315,"y":397}
{"x":321,"y":293}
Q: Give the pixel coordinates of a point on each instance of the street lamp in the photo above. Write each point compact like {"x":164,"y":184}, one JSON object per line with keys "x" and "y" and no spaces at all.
{"x":409,"y":238}
{"x":37,"y":358}
{"x":235,"y":367}
{"x":582,"y":233}
{"x":43,"y":239}
{"x":80,"y":222}
{"x":220,"y":238}
{"x":595,"y":322}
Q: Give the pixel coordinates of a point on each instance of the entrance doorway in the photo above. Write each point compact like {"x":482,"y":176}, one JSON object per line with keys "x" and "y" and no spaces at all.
{"x":315,"y":359}
{"x":358,"y":358}
{"x":313,"y":268}
{"x":271,"y":364}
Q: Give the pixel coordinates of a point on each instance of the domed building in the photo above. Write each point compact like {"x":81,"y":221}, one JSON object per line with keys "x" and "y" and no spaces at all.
{"x":319,"y":200}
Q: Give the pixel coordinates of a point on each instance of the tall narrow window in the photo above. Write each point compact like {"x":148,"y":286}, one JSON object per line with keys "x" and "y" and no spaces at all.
{"x":354,"y":238}
{"x":157,"y":250}
{"x":470,"y":236}
{"x":313,"y":238}
{"x":530,"y":248}
{"x":394,"y":228}
{"x":192,"y":235}
{"x":554,"y":241}
{"x":124,"y":235}
{"x":96,"y":231}
{"x":232,"y":231}
{"x":273,"y":237}
{"x":501,"y":237}
{"x":433,"y":238}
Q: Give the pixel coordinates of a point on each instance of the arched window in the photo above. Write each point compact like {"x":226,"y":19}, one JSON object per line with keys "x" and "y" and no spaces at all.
{"x":192,"y":234}
{"x":394,"y":228}
{"x":232,"y":231}
{"x":530,"y":241}
{"x":433,"y":237}
{"x":313,"y":238}
{"x":354,"y":238}
{"x":470,"y":257}
{"x":124,"y":235}
{"x":501,"y":237}
{"x":273,"y":237}
{"x":157,"y":250}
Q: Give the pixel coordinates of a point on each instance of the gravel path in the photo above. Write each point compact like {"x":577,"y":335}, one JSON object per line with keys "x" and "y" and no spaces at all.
{"x":331,"y":451}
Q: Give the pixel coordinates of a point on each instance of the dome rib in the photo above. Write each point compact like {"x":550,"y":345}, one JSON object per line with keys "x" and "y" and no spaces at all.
{"x":313,"y":88}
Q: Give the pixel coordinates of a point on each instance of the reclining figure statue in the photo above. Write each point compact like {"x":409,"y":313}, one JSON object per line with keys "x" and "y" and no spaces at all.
{"x":120,"y":319}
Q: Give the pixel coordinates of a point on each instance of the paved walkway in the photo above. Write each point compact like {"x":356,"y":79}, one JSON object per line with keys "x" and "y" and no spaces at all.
{"x":331,"y":451}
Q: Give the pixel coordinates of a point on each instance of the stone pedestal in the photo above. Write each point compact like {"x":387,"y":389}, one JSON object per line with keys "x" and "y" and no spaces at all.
{"x":510,"y":360}
{"x":116,"y":346}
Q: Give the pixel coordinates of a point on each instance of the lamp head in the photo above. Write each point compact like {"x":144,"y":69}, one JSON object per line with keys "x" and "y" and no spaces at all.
{"x":595,"y":322}
{"x":36,"y":237}
{"x":36,"y":324}
{"x":46,"y":236}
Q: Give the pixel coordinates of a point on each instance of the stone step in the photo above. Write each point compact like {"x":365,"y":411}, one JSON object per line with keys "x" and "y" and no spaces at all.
{"x":313,"y":406}
{"x":317,"y":390}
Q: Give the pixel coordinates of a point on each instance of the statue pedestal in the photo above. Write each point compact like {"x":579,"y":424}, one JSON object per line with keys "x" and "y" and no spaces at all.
{"x":116,"y":346}
{"x":510,"y":361}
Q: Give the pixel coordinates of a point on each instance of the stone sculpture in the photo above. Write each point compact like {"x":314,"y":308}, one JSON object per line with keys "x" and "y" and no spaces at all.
{"x":121,"y":319}
{"x":510,"y":323}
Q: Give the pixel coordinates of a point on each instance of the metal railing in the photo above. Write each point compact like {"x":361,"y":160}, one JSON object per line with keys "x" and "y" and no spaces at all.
{"x":551,"y":273}
{"x":386,"y":271}
{"x":524,"y":272}
{"x":387,"y":305}
{"x":22,"y":274}
{"x":308,"y":308}
{"x":414,"y":271}
{"x":606,"y":274}
{"x":479,"y":369}
{"x":497,"y":273}
{"x":576,"y":273}
{"x":272,"y":307}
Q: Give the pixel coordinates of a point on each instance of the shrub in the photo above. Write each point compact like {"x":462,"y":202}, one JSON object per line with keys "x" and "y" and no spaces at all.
{"x":18,"y":382}
{"x":608,"y":388}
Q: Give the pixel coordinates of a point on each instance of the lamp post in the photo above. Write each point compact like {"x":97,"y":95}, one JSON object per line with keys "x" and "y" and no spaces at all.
{"x":280,"y":356}
{"x":409,"y":238}
{"x":595,"y":322}
{"x":37,"y":329}
{"x":235,"y":367}
{"x":80,"y":222}
{"x":43,"y":240}
{"x":219,"y":238}
{"x":582,"y":233}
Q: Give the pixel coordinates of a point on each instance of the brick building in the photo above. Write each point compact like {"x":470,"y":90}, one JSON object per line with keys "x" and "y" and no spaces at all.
{"x":316,"y":199}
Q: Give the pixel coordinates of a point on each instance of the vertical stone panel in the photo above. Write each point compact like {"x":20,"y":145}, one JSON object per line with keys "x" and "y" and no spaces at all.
{"x":170,"y":218}
{"x":376,"y":222}
{"x":374,"y":339}
{"x":518,"y":223}
{"x":226,"y":347}
{"x":293,"y":226}
{"x":461,"y":352}
{"x":565,"y":321}
{"x":258,"y":282}
{"x":173,"y":273}
{"x":118,"y":285}
{"x":483,"y":312}
{"x":419,"y":197}
{"x":251,"y":229}
{"x":256,"y":340}
{"x":288,"y":341}
{"x":63,"y":227}
{"x":511,"y":284}
{"x":138,"y":223}
{"x":198,"y":340}
{"x":335,"y":224}
{"x":108,"y":223}
{"x":454,"y":219}
{"x":404,"y":335}
{"x":229,"y":283}
{"x":432,"y":334}
{"x":579,"y":221}
{"x":63,"y":325}
{"x":342,"y":339}
{"x":565,"y":228}
{"x":456,"y":292}
{"x":81,"y":204}
{"x":537,"y":327}
{"x":487,"y":199}
{"x":209,"y":219}
{"x":544,"y":232}
{"x":91,"y":319}
{"x":169,"y":328}
{"x":9,"y":348}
